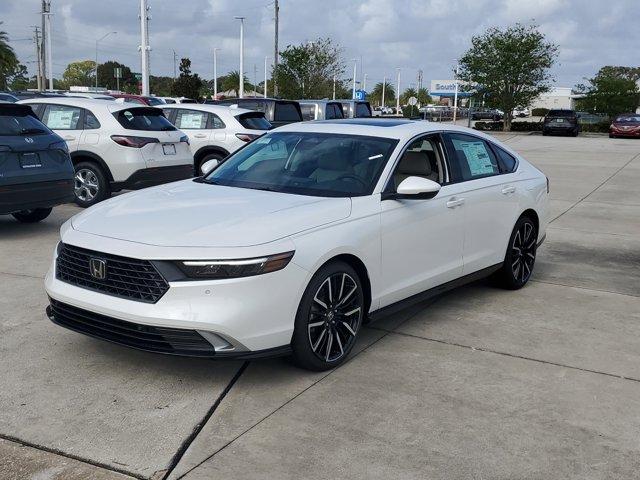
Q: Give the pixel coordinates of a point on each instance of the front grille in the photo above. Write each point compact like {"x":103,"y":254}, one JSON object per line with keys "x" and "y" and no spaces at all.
{"x":174,"y":341}
{"x":124,"y":277}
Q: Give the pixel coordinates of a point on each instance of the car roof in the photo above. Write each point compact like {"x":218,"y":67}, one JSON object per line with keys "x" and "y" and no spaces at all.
{"x":318,"y":101}
{"x":208,"y":107}
{"x":397,"y":128}
{"x":82,"y":102}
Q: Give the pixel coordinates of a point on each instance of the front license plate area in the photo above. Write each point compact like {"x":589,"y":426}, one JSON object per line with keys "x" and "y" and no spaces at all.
{"x":169,"y":149}
{"x":30,"y":160}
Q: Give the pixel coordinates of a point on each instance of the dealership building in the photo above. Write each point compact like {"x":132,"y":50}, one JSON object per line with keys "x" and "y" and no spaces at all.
{"x":443,"y":92}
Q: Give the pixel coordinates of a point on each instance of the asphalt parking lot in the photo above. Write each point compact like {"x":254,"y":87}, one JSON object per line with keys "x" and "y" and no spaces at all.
{"x":479,"y":383}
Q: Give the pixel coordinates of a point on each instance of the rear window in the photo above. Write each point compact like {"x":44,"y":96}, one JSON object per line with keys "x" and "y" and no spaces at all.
{"x":254,"y":121}
{"x":150,"y":119}
{"x":507,"y":160}
{"x":334,"y":110}
{"x":363,"y":110}
{"x":154,"y":101}
{"x":286,"y":112}
{"x":20,"y":122}
{"x":561,"y":113}
{"x":308,"y":111}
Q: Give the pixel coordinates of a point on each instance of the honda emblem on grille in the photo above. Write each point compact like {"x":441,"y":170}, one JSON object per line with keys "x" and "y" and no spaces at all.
{"x":98,"y":268}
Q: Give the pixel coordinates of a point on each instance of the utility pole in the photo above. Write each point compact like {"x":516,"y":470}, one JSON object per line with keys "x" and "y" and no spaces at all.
{"x":266,"y":59}
{"x":144,"y":47}
{"x":419,"y":79}
{"x":175,"y":63}
{"x":398,"y":93}
{"x":43,"y":49}
{"x":255,"y":78}
{"x":241,"y":72}
{"x":455,"y":97}
{"x":215,"y":73}
{"x":334,"y":86}
{"x":355,"y":69}
{"x":364,"y":83}
{"x":275,"y":49}
{"x":46,"y":11}
{"x":38,"y":58}
{"x":384,"y":85}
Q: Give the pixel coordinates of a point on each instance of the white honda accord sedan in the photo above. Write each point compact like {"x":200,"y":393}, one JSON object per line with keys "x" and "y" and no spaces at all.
{"x":298,"y":238}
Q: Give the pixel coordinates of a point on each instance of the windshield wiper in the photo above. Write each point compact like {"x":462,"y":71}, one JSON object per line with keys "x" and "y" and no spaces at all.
{"x":26,"y":131}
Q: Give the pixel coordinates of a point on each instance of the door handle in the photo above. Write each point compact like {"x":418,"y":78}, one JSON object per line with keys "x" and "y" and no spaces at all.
{"x":69,"y":138}
{"x":200,"y":135}
{"x":509,"y":189}
{"x":455,"y":202}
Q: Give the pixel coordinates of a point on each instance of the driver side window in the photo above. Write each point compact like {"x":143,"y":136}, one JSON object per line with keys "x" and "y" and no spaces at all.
{"x":424,"y":158}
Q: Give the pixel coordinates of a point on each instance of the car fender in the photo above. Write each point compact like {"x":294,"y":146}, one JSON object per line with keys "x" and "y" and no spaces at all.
{"x":78,"y":154}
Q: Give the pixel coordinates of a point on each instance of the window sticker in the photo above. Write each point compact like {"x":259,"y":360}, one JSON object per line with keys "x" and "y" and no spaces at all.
{"x":192,"y":120}
{"x":477,"y":157}
{"x":61,"y":119}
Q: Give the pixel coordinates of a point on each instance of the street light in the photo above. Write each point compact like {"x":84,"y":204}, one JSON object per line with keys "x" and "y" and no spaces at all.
{"x":384,"y":84}
{"x":266,"y":59}
{"x":97,"y":41}
{"x":398,"y":92}
{"x":215,"y":73}
{"x":241,"y":73}
{"x":355,"y":69}
{"x":455,"y":95}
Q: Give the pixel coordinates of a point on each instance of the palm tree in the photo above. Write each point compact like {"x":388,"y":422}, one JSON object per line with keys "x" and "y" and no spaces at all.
{"x":8,"y":59}
{"x":409,"y":92}
{"x":375,"y":96}
{"x":232,"y":82}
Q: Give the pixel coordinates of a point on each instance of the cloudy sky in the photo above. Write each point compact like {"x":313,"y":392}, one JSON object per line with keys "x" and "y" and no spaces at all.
{"x":385,"y":34}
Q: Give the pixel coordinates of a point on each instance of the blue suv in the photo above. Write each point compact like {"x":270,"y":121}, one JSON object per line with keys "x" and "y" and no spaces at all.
{"x":36,"y":172}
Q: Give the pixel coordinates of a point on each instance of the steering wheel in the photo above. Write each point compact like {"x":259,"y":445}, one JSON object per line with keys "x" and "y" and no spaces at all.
{"x":353,"y":177}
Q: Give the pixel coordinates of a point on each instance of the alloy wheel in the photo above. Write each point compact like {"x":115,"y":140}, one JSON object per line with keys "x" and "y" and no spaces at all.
{"x":523,"y":252}
{"x":86,"y":185}
{"x":335,"y":317}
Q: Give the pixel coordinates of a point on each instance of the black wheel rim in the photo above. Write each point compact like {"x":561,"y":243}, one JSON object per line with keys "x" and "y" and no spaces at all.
{"x":335,"y":316}
{"x":523,"y":252}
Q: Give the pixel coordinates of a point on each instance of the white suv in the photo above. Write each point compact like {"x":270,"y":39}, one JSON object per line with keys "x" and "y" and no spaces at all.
{"x":115,"y":146}
{"x":215,"y":131}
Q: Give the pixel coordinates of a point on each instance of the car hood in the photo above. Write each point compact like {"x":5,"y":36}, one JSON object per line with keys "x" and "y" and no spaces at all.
{"x":192,"y":214}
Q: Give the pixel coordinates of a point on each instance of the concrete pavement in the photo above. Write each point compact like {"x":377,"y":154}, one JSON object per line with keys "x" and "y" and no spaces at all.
{"x":481,"y":383}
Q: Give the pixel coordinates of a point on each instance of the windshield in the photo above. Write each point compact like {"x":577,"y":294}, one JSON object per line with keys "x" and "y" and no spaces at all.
{"x":561,"y":113}
{"x":628,"y":119}
{"x":317,"y":164}
{"x":12,"y":123}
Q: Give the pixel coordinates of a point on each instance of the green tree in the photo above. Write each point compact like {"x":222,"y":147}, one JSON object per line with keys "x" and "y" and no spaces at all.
{"x":408,"y":93}
{"x":8,"y":60}
{"x":106,"y":77}
{"x":423,"y":96}
{"x":613,"y":90}
{"x":307,"y":70}
{"x":187,"y":84}
{"x":511,"y":66}
{"x":375,"y":97}
{"x":160,"y":86}
{"x":79,"y":73}
{"x":19,"y":78}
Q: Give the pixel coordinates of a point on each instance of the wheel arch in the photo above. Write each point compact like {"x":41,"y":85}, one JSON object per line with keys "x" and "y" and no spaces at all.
{"x":361,"y":269}
{"x":85,"y":156}
{"x":206,"y":150}
{"x":533,"y":215}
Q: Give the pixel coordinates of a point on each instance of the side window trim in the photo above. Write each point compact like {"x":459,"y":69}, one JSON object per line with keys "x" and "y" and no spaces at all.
{"x":79,"y":125}
{"x":503,"y":170}
{"x":388,"y":184}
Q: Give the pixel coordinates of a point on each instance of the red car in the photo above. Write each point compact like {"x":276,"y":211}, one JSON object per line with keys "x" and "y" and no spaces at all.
{"x":141,"y":99}
{"x":626,"y":125}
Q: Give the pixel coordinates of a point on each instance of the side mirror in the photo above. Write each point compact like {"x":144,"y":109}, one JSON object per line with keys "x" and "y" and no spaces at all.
{"x":414,"y":188}
{"x":209,"y":165}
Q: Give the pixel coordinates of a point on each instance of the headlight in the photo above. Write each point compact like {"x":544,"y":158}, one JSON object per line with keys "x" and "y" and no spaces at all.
{"x":246,"y":267}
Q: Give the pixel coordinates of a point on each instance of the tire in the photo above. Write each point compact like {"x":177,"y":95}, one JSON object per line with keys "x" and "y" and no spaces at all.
{"x":545,"y":134}
{"x":210,"y":156}
{"x":91,"y":184}
{"x":327,"y":324}
{"x":520,"y":257}
{"x":32,"y":216}
{"x":611,"y":135}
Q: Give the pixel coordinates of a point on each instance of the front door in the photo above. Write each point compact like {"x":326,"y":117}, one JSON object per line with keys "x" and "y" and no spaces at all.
{"x":422,"y":240}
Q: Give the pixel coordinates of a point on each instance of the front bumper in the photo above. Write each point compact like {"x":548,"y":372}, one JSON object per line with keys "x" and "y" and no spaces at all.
{"x":27,"y":196}
{"x":254,"y":315}
{"x":625,"y":133}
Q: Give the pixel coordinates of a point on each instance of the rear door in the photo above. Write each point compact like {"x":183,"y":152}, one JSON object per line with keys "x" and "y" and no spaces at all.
{"x":90,"y":136}
{"x":489,"y":200}
{"x":196,"y":125}
{"x":66,"y":121}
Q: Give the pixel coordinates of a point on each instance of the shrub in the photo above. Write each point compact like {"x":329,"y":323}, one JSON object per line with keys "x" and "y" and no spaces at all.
{"x":600,"y":127}
{"x":539,"y":112}
{"x":515,"y":126}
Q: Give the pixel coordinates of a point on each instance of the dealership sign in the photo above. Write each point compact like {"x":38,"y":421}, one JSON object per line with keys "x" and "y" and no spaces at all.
{"x":447,"y":88}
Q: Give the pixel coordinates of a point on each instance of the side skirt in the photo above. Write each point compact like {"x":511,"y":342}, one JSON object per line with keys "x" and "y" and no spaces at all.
{"x":433,"y":292}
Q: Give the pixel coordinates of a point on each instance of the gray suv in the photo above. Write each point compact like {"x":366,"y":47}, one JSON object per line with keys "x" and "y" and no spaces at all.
{"x":36,"y":172}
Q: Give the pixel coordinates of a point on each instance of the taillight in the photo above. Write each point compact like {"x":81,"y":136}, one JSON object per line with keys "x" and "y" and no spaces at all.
{"x":184,"y":139}
{"x":246,"y":137}
{"x":135,"y":142}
